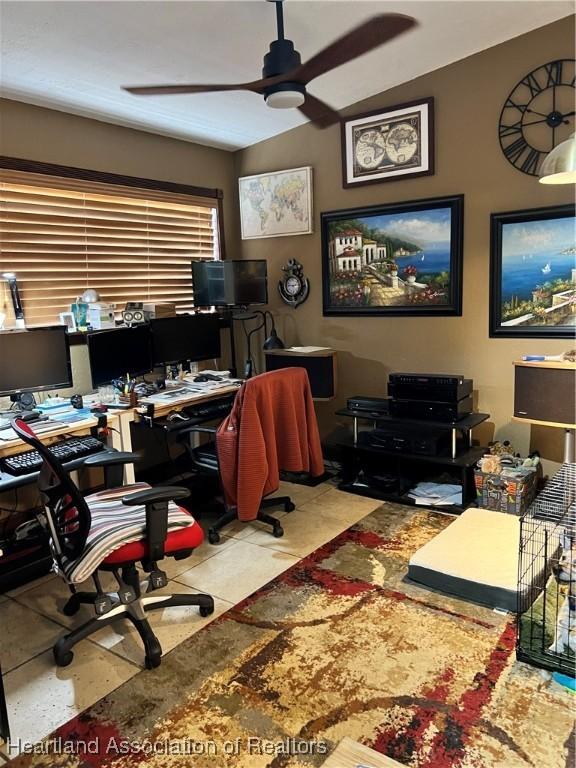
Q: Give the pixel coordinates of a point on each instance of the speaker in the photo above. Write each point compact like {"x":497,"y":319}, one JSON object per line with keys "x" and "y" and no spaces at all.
{"x":544,"y":392}
{"x":321,"y":368}
{"x":134,"y":313}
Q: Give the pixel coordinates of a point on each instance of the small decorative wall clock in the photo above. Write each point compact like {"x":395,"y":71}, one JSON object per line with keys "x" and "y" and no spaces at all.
{"x":294,"y":287}
{"x":538,"y":115}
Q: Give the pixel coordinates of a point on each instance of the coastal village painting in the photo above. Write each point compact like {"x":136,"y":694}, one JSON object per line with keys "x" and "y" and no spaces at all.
{"x":393,"y":260}
{"x":534,"y":271}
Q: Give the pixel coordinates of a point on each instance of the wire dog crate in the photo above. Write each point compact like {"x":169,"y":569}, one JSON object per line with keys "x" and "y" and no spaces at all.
{"x":547,"y":577}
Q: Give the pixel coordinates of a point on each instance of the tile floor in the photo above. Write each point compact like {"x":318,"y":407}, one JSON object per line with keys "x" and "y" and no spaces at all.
{"x":42,"y":696}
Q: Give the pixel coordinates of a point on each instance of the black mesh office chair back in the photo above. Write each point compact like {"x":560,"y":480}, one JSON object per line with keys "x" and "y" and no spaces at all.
{"x":69,"y":517}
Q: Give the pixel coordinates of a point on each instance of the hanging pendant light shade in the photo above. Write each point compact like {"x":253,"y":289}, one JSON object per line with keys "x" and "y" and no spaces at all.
{"x":559,"y":166}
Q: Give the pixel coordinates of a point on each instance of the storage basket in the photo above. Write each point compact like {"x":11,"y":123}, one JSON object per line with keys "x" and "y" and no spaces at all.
{"x":512,"y":493}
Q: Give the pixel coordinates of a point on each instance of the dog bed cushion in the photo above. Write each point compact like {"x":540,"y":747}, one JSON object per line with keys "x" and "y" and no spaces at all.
{"x":475,"y":558}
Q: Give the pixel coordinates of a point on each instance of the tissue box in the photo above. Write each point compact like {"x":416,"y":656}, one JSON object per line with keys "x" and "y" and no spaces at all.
{"x":101,"y":316}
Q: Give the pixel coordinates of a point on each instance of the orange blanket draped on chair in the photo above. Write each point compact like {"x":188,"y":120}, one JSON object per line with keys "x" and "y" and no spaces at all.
{"x":272,"y":427}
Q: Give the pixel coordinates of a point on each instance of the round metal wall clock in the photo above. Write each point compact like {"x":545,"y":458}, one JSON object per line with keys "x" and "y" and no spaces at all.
{"x":538,"y":115}
{"x":294,"y":287}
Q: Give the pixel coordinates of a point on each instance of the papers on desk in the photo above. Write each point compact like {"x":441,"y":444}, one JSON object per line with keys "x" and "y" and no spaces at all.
{"x":189,"y":391}
{"x":41,"y":426}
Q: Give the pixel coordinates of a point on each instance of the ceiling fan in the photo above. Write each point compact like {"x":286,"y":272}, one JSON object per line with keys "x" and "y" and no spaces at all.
{"x":284,"y":77}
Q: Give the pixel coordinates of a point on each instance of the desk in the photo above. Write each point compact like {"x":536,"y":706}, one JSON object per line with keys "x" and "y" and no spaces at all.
{"x":11,"y":447}
{"x":162,"y":408}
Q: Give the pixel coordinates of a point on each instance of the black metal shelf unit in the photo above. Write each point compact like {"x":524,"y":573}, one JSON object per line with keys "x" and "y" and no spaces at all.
{"x":389,"y":475}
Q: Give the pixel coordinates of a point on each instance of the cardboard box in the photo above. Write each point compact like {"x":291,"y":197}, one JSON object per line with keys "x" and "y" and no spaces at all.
{"x":154,"y":310}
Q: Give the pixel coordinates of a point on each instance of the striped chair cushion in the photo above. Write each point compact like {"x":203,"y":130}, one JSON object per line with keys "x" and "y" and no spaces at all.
{"x":113,"y":526}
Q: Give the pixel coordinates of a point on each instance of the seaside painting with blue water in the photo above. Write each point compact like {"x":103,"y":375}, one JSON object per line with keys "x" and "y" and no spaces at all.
{"x":398,"y":259}
{"x":538,"y":272}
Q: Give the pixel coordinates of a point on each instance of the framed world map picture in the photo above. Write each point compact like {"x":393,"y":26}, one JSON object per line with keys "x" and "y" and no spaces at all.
{"x":276,"y":204}
{"x":395,"y":143}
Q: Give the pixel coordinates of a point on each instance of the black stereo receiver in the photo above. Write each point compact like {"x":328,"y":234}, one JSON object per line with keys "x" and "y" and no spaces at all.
{"x":371,"y":405}
{"x":426,"y":379}
{"x":406,"y":438}
{"x":430,"y":390}
{"x":431,"y":410}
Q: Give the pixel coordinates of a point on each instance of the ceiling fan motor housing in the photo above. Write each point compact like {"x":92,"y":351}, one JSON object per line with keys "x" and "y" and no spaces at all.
{"x":281,"y":59}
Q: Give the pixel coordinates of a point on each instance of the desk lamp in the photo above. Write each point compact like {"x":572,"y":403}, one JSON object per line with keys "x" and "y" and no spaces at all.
{"x":273,"y":341}
{"x":10,"y":277}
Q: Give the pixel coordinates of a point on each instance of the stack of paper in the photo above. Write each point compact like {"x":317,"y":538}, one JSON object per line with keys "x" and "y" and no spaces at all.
{"x":307,"y":350}
{"x":436,"y":494}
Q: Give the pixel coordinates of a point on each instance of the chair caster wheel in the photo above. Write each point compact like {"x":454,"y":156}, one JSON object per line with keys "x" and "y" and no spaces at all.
{"x":278,"y":532}
{"x":213,"y":537}
{"x":72,"y":606}
{"x":63,"y":659}
{"x":152,"y":662}
{"x":289,"y":506}
{"x":206,"y":610}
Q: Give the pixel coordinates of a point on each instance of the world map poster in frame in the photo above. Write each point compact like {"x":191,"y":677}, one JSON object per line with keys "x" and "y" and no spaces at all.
{"x":392,"y":143}
{"x":276,"y":204}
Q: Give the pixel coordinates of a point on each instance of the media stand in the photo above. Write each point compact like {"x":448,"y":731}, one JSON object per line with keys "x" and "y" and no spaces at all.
{"x":388,"y":474}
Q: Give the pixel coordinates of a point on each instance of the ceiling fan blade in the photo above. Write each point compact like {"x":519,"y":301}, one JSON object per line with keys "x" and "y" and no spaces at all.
{"x":318,"y":112}
{"x":366,"y":37}
{"x":257,"y":86}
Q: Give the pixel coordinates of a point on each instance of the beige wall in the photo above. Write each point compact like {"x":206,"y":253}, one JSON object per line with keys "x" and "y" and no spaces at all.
{"x":468,"y":99}
{"x":49,"y":136}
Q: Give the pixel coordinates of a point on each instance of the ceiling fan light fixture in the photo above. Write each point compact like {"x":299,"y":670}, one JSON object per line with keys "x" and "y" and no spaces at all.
{"x":285,"y":99}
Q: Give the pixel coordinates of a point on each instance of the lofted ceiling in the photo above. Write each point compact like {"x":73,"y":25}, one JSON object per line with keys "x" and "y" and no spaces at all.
{"x":75,"y":56}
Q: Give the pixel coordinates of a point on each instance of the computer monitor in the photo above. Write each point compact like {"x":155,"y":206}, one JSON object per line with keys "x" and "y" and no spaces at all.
{"x":34,"y":360}
{"x":230,"y":283}
{"x":185,"y":337}
{"x":117,"y":352}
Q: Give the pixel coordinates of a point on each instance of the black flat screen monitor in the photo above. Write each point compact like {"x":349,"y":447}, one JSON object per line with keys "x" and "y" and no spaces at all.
{"x":186,"y":337}
{"x":119,"y":352}
{"x":230,"y":283}
{"x":34,"y":360}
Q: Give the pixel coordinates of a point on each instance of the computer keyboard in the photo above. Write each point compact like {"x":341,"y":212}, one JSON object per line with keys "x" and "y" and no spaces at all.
{"x":211,"y":408}
{"x":64,"y":450}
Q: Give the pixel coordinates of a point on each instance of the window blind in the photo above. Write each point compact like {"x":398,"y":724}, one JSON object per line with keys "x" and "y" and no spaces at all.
{"x":61,"y":236}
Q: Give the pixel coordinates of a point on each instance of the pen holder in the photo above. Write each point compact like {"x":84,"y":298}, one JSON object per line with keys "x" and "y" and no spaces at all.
{"x":130,"y":399}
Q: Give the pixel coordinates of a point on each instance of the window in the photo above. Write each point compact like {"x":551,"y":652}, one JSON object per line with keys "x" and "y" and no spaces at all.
{"x":61,"y":234}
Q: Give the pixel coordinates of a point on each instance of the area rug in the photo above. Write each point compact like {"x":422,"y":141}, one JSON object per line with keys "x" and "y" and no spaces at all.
{"x":339,"y":645}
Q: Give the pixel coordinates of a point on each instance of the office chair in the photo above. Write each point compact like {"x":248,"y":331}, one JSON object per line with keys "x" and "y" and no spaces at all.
{"x":205,"y":459}
{"x":272,"y":426}
{"x":112,"y":530}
